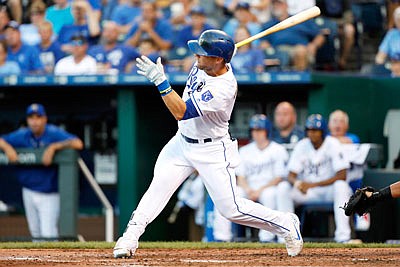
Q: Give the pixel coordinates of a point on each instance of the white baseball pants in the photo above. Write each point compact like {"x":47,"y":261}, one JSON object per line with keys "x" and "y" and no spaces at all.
{"x":338,"y":193}
{"x":42,"y":211}
{"x":215,"y":162}
{"x":270,"y":198}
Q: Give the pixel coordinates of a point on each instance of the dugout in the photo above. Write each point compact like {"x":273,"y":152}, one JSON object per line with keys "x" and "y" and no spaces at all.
{"x":125,"y":115}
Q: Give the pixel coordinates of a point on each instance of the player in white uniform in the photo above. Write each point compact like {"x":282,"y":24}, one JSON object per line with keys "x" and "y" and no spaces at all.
{"x":262,"y":169}
{"x":317,"y":169}
{"x":203,"y":143}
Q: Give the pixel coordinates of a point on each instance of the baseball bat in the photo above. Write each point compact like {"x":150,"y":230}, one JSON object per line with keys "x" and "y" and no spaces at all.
{"x":284,"y":24}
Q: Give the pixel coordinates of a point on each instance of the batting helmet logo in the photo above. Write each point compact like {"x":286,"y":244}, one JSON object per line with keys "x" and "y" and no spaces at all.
{"x":260,"y":121}
{"x":317,"y":122}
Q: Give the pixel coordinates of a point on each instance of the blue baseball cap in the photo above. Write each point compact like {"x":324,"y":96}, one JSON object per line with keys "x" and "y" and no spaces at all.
{"x":198,"y":10}
{"x":242,"y":5}
{"x":35,"y":109}
{"x":13,"y":25}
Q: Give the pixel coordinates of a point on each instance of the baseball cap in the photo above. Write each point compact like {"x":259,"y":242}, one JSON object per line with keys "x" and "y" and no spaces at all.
{"x":35,"y":109}
{"x":13,"y":24}
{"x":198,"y":10}
{"x":242,"y":5}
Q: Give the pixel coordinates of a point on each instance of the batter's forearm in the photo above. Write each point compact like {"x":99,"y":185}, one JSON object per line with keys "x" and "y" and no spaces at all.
{"x":175,"y":105}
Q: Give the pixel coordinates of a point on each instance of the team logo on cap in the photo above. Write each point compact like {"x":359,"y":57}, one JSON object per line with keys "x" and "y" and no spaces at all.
{"x":207,"y":96}
{"x":35,"y":107}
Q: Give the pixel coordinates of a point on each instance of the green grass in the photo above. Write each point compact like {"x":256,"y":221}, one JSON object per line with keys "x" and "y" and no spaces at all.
{"x":179,"y":245}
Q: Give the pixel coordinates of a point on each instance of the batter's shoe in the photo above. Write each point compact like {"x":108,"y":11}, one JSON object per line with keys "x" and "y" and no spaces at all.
{"x":293,"y":239}
{"x":125,"y":247}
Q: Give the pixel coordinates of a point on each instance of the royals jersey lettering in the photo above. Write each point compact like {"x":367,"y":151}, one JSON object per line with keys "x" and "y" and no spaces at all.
{"x":317,"y":165}
{"x":213,"y":98}
{"x":261,"y":166}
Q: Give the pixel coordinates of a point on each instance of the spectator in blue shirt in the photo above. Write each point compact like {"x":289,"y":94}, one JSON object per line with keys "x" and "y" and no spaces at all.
{"x":150,"y":26}
{"x":125,"y":13}
{"x":300,"y":41}
{"x":247,"y":59}
{"x":26,"y":56}
{"x":85,"y":23}
{"x":50,"y":51}
{"x":29,"y":32}
{"x":391,"y":42}
{"x":111,"y":55}
{"x":59,"y":14}
{"x":39,"y":183}
{"x":338,"y":127}
{"x":244,"y":17}
{"x":286,"y":130}
{"x":7,"y":67}
{"x":195,"y":28}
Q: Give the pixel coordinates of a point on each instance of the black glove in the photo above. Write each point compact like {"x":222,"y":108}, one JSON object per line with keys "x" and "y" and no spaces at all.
{"x":359,"y":202}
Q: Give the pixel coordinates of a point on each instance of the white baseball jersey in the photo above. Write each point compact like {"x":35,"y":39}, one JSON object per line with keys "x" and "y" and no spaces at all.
{"x":317,"y":165}
{"x":213,"y":98}
{"x":296,"y":6}
{"x":261,"y":166}
{"x":68,"y":66}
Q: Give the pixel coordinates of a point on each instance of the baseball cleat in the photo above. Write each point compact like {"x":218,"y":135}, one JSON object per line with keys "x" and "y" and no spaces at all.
{"x":125,"y":247}
{"x":293,"y":239}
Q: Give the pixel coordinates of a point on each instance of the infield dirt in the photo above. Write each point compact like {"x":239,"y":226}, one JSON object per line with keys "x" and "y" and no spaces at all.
{"x":203,"y":257}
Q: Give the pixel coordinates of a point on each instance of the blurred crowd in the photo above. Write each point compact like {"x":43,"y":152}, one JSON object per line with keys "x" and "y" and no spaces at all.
{"x":68,"y":37}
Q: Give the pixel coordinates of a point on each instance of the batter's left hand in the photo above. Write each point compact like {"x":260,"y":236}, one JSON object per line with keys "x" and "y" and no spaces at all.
{"x":48,"y":155}
{"x":153,"y":72}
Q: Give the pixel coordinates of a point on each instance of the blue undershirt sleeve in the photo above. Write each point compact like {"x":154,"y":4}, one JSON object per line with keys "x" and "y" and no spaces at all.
{"x":191,"y":111}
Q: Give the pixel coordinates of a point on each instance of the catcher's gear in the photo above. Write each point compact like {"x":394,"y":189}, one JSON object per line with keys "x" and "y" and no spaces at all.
{"x":213,"y":43}
{"x":152,"y":71}
{"x":359,"y":202}
{"x":317,"y":122}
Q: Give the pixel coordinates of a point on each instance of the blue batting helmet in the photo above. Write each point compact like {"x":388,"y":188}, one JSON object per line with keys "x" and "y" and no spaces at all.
{"x":317,"y":122}
{"x":213,"y":43}
{"x":260,"y":121}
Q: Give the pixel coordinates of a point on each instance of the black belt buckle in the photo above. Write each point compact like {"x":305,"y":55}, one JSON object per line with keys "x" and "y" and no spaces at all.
{"x":195,"y":141}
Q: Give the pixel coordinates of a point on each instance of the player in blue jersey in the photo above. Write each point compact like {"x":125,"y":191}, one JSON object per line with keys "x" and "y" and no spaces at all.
{"x":39,"y":183}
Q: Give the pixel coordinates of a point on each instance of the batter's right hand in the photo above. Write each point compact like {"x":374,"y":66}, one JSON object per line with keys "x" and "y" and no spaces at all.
{"x":153,"y":72}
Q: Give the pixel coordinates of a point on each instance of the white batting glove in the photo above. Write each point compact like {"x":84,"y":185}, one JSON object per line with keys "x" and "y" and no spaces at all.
{"x":152,"y":71}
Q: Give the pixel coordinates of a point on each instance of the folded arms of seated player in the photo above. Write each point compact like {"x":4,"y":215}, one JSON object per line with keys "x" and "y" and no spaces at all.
{"x":304,"y":186}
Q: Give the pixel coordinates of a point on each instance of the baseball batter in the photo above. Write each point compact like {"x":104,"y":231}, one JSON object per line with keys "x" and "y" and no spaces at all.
{"x":261,"y":172}
{"x":203,"y":143}
{"x":317,"y":169}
